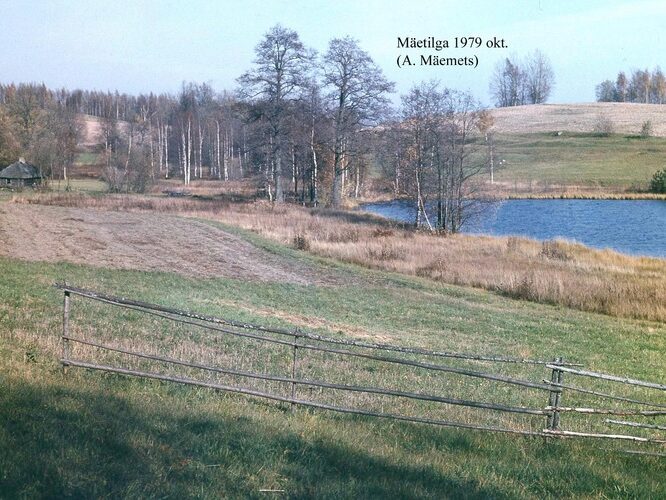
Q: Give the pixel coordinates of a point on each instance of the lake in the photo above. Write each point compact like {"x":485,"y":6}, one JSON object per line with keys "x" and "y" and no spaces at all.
{"x":636,"y":227}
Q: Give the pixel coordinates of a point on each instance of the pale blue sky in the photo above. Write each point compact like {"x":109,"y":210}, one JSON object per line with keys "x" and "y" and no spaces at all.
{"x":143,"y":45}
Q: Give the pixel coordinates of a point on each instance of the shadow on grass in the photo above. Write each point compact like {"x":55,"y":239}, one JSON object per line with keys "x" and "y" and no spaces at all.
{"x":72,"y":443}
{"x":62,"y":441}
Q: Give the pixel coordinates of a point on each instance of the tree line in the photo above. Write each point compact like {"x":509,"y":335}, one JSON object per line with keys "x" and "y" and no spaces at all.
{"x":35,"y":124}
{"x":642,"y":86}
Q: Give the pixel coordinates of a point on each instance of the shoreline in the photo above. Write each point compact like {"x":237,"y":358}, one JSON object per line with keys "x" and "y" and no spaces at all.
{"x":585,"y":196}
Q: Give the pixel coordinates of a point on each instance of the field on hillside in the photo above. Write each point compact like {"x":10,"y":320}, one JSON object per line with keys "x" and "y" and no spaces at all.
{"x":627,"y":118}
{"x":89,"y":434}
{"x":557,"y":272}
{"x":539,"y":162}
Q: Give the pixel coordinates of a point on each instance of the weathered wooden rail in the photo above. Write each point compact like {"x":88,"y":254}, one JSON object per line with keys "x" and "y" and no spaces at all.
{"x":392,"y":357}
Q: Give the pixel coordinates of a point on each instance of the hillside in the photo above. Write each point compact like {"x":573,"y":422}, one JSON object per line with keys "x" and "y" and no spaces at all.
{"x":86,"y":434}
{"x":627,"y":118}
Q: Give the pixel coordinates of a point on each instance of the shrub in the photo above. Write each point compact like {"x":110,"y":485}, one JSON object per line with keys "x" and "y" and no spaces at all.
{"x":554,"y":250}
{"x":646,"y":129}
{"x":301,"y":242}
{"x":603,"y":126}
{"x":658,"y":182}
{"x":387,"y":252}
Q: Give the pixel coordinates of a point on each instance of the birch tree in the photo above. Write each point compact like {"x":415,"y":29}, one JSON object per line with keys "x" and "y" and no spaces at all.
{"x":439,"y":126}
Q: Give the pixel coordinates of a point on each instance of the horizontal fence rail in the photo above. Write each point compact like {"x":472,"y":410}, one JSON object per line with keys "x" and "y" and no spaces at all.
{"x":604,"y":395}
{"x":121,"y":301}
{"x":274,"y":397}
{"x":238,"y":357}
{"x":315,"y":383}
{"x":605,"y":376}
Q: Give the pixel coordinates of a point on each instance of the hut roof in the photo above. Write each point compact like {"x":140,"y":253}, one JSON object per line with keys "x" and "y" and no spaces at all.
{"x":20,"y":170}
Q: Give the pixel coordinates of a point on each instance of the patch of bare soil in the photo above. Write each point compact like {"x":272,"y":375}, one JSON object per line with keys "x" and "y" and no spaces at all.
{"x":151,"y":242}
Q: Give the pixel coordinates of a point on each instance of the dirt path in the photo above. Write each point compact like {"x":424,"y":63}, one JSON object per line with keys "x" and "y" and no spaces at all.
{"x":150,"y":242}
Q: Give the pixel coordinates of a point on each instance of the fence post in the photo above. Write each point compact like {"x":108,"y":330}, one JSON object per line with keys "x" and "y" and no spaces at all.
{"x":555,"y":396}
{"x":293,"y":366}
{"x":65,"y":331}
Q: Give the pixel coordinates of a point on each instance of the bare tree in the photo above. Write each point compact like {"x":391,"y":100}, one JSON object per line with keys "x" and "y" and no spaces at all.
{"x":423,"y":118}
{"x":658,"y":86}
{"x":358,"y":91}
{"x":280,"y":71}
{"x":486,"y":124}
{"x":507,"y":84}
{"x":514,"y":83}
{"x":621,"y":87}
{"x":9,"y":147}
{"x":439,"y":125}
{"x":539,"y":78}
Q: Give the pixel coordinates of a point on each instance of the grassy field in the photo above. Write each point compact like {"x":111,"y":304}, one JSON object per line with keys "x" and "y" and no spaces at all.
{"x":626,"y":118}
{"x":542,"y":162}
{"x":89,"y":434}
{"x":79,"y":186}
{"x":562,"y":273}
{"x":87,"y":158}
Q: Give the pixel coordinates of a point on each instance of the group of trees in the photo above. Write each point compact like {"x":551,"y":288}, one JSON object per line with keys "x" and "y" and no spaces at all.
{"x":311,"y":112}
{"x":514,"y":83}
{"x":194,"y":134}
{"x":298,"y":122}
{"x":431,"y":152}
{"x":641,"y":86}
{"x":304,"y":126}
{"x":35,"y":124}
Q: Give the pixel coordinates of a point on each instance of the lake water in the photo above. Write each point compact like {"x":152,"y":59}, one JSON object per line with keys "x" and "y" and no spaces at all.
{"x":636,"y":227}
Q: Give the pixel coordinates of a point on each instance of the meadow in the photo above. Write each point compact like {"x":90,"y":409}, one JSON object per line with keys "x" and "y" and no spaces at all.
{"x":91,"y":434}
{"x":554,"y":272}
{"x":577,"y":161}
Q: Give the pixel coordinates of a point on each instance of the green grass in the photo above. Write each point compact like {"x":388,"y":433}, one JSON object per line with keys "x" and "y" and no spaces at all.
{"x":88,"y":434}
{"x":80,"y":185}
{"x":617,"y":161}
{"x":87,"y":158}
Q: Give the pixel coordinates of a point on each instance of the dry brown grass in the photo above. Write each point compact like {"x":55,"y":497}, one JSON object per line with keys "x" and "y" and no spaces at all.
{"x":152,"y":242}
{"x":627,"y":118}
{"x":558,"y":272}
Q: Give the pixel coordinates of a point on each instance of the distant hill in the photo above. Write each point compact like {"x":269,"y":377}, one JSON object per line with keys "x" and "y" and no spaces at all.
{"x":627,"y":118}
{"x":91,"y":133}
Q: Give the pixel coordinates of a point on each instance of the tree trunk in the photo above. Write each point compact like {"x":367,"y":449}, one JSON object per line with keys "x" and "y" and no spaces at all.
{"x":313,"y":195}
{"x":166,"y":150}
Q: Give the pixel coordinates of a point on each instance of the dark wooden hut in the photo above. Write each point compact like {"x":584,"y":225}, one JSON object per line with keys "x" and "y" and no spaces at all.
{"x":20,"y":174}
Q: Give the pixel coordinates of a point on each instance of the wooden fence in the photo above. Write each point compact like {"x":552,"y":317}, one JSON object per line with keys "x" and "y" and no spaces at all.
{"x":528,"y":396}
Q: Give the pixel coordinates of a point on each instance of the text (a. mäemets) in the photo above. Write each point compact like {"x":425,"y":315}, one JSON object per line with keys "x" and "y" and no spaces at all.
{"x":431,"y":43}
{"x":431,"y":60}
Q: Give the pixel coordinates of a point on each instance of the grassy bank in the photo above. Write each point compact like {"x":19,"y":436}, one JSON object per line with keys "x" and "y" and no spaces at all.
{"x":558,"y":273}
{"x":87,"y":434}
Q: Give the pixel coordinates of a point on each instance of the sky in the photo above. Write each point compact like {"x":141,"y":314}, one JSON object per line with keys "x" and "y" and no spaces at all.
{"x":150,"y":45}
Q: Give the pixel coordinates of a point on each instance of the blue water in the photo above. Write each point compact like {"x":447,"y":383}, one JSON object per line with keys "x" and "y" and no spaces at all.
{"x":636,"y":227}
